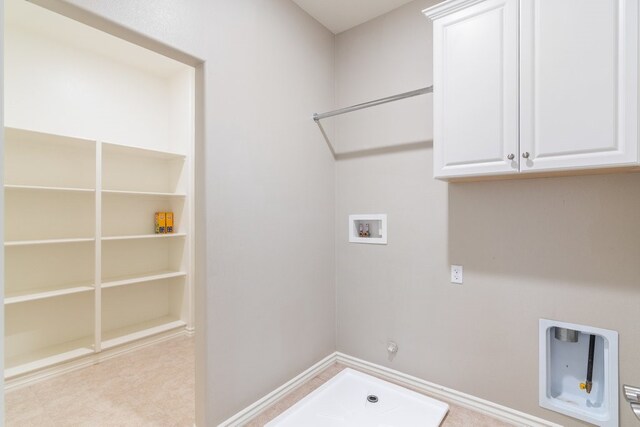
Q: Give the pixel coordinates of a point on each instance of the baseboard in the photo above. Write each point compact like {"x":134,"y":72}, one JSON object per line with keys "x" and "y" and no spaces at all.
{"x":494,"y":410}
{"x":244,"y":416}
{"x":500,"y":412}
{"x":92,"y":359}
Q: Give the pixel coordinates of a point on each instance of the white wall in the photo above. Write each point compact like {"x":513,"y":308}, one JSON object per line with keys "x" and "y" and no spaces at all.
{"x":70,"y":90}
{"x":558,"y":248}
{"x":270,"y":292}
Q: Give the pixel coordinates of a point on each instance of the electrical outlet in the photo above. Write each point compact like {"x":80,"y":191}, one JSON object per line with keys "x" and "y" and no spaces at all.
{"x":456,"y":274}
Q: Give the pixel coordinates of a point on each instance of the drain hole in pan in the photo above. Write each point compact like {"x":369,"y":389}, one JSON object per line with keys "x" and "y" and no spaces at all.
{"x":372,"y":398}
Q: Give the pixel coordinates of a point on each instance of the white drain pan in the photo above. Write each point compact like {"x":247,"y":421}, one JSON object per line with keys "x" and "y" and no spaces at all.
{"x":343,"y":401}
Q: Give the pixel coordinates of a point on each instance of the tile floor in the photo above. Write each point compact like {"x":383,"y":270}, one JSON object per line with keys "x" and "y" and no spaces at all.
{"x":151,"y":387}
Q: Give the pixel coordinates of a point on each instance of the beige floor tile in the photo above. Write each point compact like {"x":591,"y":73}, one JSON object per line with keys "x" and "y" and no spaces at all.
{"x":152,"y":387}
{"x":331,"y":371}
{"x":184,"y":421}
{"x":22,"y":406}
{"x":40,"y":420}
{"x":260,"y":420}
{"x":463,"y":417}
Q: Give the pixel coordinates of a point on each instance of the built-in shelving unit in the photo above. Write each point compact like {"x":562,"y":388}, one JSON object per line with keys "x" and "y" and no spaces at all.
{"x":86,"y":167}
{"x":136,"y":184}
{"x":85,"y":270}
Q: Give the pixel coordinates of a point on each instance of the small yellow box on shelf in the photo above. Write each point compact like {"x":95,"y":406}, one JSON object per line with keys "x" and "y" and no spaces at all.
{"x":169,"y":221}
{"x":161,"y":223}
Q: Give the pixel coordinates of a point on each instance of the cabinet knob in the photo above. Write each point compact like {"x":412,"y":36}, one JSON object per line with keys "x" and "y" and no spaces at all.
{"x":511,"y":156}
{"x":525,"y":155}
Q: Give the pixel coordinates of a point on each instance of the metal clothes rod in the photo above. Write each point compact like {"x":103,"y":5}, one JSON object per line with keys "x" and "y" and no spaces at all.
{"x":317,"y":117}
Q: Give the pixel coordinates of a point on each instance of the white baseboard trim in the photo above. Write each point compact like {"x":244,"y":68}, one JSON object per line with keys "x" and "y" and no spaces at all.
{"x":500,"y":412}
{"x":244,"y":416}
{"x":494,"y":410}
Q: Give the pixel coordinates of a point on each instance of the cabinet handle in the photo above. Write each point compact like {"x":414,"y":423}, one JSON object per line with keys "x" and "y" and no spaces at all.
{"x":525,"y":154}
{"x":511,"y":156}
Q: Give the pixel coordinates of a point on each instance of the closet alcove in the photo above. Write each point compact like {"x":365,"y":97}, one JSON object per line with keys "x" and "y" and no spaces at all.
{"x":99,"y":135}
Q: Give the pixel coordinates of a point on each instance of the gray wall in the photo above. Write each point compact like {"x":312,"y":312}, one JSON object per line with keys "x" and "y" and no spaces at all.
{"x":558,"y":248}
{"x":269,"y":188}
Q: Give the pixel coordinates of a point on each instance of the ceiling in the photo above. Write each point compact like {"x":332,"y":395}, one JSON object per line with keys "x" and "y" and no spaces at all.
{"x":340,"y":15}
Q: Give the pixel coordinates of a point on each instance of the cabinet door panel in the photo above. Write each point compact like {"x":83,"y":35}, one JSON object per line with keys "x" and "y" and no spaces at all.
{"x":578,"y":84}
{"x":476,"y":90}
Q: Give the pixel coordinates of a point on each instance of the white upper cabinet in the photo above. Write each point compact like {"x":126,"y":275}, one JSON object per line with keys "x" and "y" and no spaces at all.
{"x":578,"y":83}
{"x":524,"y":86}
{"x":476,"y":90}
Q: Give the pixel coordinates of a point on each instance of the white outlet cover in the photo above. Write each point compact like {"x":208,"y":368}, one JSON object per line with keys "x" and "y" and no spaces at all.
{"x":456,"y":274}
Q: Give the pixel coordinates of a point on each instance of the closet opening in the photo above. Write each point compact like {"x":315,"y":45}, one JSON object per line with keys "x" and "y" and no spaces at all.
{"x":100,"y":218}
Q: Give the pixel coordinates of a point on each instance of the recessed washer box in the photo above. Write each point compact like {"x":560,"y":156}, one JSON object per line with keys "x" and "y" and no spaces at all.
{"x":373,"y":225}
{"x":564,"y":354}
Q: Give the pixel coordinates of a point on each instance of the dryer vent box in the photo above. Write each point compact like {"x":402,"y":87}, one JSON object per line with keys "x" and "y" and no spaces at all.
{"x":564,"y":354}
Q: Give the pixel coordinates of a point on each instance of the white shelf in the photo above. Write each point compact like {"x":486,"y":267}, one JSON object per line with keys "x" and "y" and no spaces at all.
{"x":143,"y":193}
{"x":43,"y":188}
{"x":35,"y":159}
{"x":142,"y":152}
{"x":43,"y":293}
{"x":141,"y":330}
{"x":133,"y":279}
{"x":48,"y":241}
{"x":48,"y":357}
{"x":22,"y":135}
{"x":144,"y":236}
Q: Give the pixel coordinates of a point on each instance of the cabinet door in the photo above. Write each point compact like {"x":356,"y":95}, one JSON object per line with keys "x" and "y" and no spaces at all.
{"x":579,"y":84}
{"x":476,"y":90}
